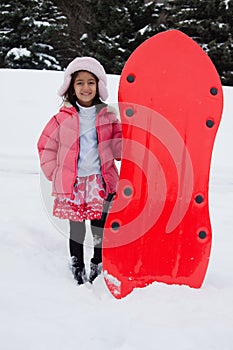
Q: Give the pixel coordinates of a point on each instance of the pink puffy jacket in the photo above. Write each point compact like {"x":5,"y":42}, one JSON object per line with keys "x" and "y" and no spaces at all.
{"x":58,"y":148}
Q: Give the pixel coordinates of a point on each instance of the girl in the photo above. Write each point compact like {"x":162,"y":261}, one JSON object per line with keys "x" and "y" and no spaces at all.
{"x":77,"y":149}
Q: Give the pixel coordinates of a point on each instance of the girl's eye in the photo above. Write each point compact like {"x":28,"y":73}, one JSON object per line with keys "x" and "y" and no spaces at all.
{"x":79,"y":83}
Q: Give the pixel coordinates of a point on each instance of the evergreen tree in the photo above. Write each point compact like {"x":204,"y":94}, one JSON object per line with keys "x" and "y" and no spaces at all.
{"x":225,"y":53}
{"x":28,"y":33}
{"x":55,"y":30}
{"x":208,"y":23}
{"x":48,"y":34}
{"x":117,"y":27}
{"x":77,"y":14}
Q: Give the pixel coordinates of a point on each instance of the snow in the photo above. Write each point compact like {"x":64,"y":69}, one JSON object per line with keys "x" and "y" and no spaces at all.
{"x":41,"y":306}
{"x":19,"y":52}
{"x":84,"y":36}
{"x":42,"y":23}
{"x":227,"y":3}
{"x":144,"y":29}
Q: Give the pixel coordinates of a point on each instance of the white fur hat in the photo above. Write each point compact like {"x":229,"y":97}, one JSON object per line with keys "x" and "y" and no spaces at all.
{"x":91,"y":65}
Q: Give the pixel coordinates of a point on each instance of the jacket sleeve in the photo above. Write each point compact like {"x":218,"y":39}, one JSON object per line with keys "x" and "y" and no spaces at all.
{"x":47,"y":145}
{"x":116,"y":139}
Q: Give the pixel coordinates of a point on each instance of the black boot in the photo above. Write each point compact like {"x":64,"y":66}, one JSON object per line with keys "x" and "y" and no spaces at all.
{"x":95,"y":271}
{"x":96,"y":261}
{"x":78,"y":271}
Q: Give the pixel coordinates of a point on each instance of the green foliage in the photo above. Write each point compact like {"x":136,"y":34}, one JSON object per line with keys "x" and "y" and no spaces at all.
{"x":117,"y":28}
{"x":48,"y":34}
{"x":29,"y":34}
{"x":210,"y":24}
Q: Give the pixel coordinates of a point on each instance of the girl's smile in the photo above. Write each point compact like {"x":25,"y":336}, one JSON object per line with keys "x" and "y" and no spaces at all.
{"x":85,"y":87}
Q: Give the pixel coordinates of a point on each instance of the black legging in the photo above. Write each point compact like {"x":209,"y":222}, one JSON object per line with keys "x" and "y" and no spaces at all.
{"x":78,"y":232}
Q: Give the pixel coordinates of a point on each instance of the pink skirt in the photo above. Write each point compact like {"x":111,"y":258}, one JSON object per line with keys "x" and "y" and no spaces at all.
{"x":90,"y":193}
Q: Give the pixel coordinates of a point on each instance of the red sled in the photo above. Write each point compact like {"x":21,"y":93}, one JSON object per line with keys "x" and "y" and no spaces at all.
{"x":158,"y":228}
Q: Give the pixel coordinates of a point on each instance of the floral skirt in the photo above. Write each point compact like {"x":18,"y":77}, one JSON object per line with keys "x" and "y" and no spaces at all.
{"x":88,"y":204}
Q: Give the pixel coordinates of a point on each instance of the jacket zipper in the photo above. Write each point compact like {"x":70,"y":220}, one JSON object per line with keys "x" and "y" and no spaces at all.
{"x":76,"y":157}
{"x":58,"y":151}
{"x":99,"y":143}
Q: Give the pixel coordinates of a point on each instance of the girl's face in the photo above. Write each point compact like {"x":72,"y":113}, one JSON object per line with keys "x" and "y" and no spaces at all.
{"x":85,"y":87}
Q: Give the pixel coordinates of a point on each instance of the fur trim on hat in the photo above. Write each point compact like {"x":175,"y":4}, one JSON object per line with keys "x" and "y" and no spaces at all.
{"x":88,"y":64}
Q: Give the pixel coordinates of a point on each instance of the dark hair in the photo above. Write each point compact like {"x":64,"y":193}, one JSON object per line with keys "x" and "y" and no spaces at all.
{"x":71,"y":96}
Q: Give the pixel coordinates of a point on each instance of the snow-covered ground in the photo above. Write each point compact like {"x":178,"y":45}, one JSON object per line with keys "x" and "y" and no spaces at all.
{"x":40,"y":306}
